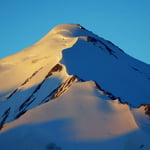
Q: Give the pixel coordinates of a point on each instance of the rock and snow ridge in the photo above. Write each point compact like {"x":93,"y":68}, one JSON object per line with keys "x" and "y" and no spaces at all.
{"x":100,"y":94}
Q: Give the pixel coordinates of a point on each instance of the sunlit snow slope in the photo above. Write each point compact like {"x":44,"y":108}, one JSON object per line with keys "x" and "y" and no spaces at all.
{"x":74,"y":90}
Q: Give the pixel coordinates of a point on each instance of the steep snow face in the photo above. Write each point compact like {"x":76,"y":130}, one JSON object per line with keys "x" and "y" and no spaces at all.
{"x":47,"y":51}
{"x":27,"y":96}
{"x":88,"y":106}
{"x":83,"y":54}
{"x":82,"y":114}
{"x":116,"y":72}
{"x":16,"y":68}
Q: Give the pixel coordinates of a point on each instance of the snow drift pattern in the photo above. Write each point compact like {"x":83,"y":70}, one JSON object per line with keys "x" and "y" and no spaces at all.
{"x":74,"y":90}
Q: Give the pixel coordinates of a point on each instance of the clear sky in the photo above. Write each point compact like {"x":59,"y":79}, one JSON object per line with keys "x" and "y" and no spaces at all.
{"x":124,"y":22}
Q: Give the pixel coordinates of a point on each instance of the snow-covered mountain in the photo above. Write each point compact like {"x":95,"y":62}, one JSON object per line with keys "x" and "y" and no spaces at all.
{"x":73,"y":90}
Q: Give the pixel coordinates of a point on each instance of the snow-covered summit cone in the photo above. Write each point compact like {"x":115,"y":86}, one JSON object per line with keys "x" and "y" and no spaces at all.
{"x":16,"y":68}
{"x":94,"y":58}
{"x":88,"y":78}
{"x":83,"y":54}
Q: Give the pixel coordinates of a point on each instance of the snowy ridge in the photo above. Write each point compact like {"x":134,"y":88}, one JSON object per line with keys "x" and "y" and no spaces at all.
{"x":74,"y":90}
{"x":84,"y":121}
{"x":32,"y":97}
{"x":112,"y":70}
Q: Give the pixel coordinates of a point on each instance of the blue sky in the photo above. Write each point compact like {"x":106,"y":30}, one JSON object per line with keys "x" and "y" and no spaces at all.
{"x":124,"y":22}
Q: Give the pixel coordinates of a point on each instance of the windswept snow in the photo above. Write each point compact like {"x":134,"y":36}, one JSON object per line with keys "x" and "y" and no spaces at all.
{"x":85,"y":55}
{"x":80,"y":115}
{"x":93,"y":61}
{"x":23,"y":64}
{"x":73,"y":90}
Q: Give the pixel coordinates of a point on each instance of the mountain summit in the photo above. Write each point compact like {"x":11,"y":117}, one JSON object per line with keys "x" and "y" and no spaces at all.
{"x":74,"y":90}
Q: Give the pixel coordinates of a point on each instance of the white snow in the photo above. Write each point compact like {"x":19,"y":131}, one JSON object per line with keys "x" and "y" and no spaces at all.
{"x":83,"y":117}
{"x":79,"y":117}
{"x":114,"y":74}
{"x":16,"y":68}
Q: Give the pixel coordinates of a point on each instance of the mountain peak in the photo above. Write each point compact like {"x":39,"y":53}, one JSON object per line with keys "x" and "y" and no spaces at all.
{"x":72,"y":28}
{"x":73,"y":86}
{"x":64,"y":31}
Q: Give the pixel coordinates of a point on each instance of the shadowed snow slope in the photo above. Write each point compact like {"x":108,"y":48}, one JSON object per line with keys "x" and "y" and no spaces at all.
{"x":112,"y":69}
{"x":82,"y":115}
{"x":73,"y":90}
